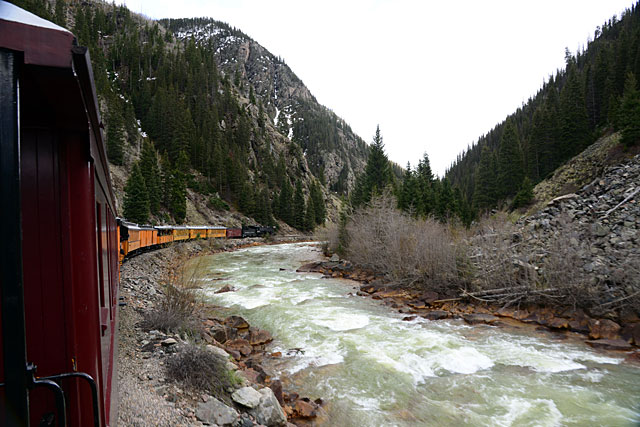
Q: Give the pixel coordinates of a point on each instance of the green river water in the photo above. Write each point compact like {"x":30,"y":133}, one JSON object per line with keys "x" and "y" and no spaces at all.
{"x":373,"y":369}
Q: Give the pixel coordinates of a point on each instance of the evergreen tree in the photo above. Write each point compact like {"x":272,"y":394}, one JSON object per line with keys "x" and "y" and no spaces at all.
{"x":629,"y":112}
{"x":576,"y":133}
{"x":377,"y":173}
{"x":285,"y":208}
{"x":136,"y":201}
{"x":115,"y":134}
{"x":309,"y":216}
{"x":524,"y":196}
{"x":484,"y":194}
{"x":298,"y":207}
{"x":151,"y":173}
{"x":60,"y":13}
{"x":317,"y":199}
{"x":510,"y":166}
{"x":178,"y":190}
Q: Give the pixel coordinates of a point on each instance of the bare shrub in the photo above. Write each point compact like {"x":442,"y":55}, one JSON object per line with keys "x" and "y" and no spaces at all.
{"x":179,"y":306}
{"x":514,"y":265}
{"x":201,"y":370}
{"x":409,"y":251}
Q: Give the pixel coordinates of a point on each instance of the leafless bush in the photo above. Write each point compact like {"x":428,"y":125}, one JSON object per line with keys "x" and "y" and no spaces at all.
{"x":409,"y":251}
{"x":178,"y":308}
{"x":514,"y":265}
{"x":201,"y":370}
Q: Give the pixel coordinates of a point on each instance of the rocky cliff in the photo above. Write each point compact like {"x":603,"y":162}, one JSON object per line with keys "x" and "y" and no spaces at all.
{"x":333,"y":152}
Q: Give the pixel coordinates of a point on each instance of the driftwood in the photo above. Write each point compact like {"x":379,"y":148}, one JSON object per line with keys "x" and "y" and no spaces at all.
{"x":626,"y":199}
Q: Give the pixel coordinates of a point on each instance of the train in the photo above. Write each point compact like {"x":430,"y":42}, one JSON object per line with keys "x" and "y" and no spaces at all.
{"x":135,"y":238}
{"x":63,"y":243}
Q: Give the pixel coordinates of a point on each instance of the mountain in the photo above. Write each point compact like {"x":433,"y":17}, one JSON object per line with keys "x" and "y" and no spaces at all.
{"x":333,"y":151}
{"x":215,"y":127}
{"x":595,"y":94}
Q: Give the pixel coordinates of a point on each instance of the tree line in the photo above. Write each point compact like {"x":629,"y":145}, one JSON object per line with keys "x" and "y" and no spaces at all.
{"x":595,"y":94}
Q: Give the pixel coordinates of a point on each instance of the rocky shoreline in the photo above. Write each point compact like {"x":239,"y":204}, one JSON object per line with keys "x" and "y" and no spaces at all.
{"x":147,"y":396}
{"x":598,"y":332}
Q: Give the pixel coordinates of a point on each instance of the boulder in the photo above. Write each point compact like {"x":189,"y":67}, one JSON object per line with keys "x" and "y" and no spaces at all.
{"x":268,"y":411}
{"x":259,"y":336}
{"x":239,"y":344}
{"x":610,"y":344}
{"x":276,"y":388}
{"x":474,"y":319}
{"x":310,"y":267}
{"x":218,"y":351}
{"x":215,"y":412}
{"x":225,"y":288}
{"x":169,"y":342}
{"x":603,"y":329}
{"x":436,"y":315}
{"x":304,"y":409}
{"x":631,"y":333}
{"x":236,"y":322}
{"x":247,"y":396}
{"x":222,"y":333}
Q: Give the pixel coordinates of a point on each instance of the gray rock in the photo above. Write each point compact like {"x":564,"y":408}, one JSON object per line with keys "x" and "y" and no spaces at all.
{"x":247,"y":396}
{"x":218,"y":351}
{"x":269,"y":412}
{"x":169,"y":342}
{"x":334,"y":258}
{"x":215,"y":412}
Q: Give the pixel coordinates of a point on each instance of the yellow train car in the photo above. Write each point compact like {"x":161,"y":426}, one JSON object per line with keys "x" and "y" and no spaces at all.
{"x":216,"y":232}
{"x":197,"y":232}
{"x":165,"y":234}
{"x":180,"y":233}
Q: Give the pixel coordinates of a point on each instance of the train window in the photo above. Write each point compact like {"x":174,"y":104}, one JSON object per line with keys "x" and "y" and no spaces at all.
{"x":105,"y":259}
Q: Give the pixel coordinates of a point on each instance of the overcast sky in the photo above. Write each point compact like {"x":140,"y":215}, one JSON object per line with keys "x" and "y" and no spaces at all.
{"x":434,"y":75}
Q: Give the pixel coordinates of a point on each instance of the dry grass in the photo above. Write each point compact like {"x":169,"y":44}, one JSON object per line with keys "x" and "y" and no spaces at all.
{"x":178,"y":309}
{"x":201,"y":370}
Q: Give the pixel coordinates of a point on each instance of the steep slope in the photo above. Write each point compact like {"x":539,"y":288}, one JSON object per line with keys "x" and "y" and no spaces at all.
{"x":333,"y":151}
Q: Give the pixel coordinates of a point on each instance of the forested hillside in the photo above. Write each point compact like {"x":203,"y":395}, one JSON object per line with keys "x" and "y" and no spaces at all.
{"x":181,"y":113}
{"x":595,"y":94}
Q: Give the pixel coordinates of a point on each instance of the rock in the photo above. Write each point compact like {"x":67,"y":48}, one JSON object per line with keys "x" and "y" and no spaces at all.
{"x":474,"y":319}
{"x":276,"y":388}
{"x":558,"y":323}
{"x":603,"y":328}
{"x":222,"y":333}
{"x":310,"y":267}
{"x":218,"y":351}
{"x":225,"y":288}
{"x":409,"y":318}
{"x":631,"y":333}
{"x":169,"y":342}
{"x":241,"y":345}
{"x":247,"y":396}
{"x":215,"y":412}
{"x":236,"y":322}
{"x":259,"y":336}
{"x":610,"y":344}
{"x":304,"y":409}
{"x":269,"y":412}
{"x":436,"y":315}
{"x":334,"y":258}
{"x":251,"y":375}
{"x":429,"y":297}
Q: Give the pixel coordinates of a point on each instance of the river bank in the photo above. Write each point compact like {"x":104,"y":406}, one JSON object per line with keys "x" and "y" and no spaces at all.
{"x":147,"y":395}
{"x":598,"y":332}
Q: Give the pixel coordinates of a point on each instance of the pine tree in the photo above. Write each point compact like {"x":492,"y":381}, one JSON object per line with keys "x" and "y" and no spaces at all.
{"x":60,"y":13}
{"x":576,"y":134}
{"x":309,"y":216}
{"x":151,"y":173}
{"x":510,"y":165}
{"x":115,"y":134}
{"x":484,"y":193}
{"x":629,"y":112}
{"x":136,"y":200}
{"x":298,"y":207}
{"x":178,"y":190}
{"x":377,"y":173}
{"x":317,"y":199}
{"x":525,"y":194}
{"x":286,"y":202}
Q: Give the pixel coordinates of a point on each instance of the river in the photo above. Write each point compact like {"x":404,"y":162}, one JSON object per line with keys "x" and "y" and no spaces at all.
{"x":374,"y":369}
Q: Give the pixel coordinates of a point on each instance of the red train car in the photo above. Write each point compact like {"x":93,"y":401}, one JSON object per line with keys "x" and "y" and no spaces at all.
{"x":59,"y":257}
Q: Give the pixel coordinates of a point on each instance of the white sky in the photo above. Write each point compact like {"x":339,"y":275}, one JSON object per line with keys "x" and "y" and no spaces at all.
{"x":434,"y":75}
